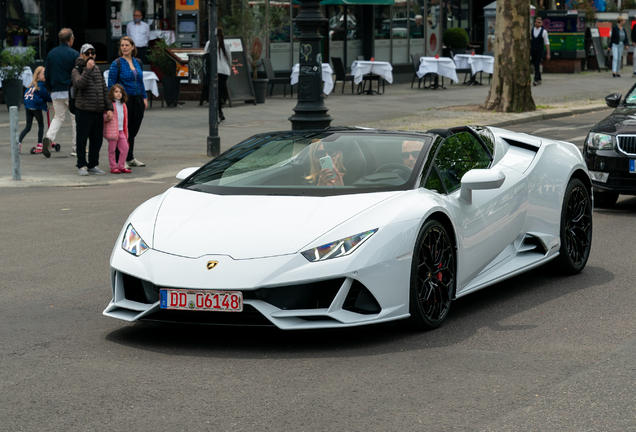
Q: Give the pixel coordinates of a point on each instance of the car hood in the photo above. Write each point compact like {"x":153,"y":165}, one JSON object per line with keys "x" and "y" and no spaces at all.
{"x":622,"y":120}
{"x":193,"y":224}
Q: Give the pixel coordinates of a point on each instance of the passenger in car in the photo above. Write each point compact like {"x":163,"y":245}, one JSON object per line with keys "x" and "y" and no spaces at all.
{"x":322,"y":176}
{"x":410,"y":152}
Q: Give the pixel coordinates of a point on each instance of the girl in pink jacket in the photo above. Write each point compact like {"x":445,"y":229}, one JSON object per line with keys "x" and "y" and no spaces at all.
{"x":116,"y":130}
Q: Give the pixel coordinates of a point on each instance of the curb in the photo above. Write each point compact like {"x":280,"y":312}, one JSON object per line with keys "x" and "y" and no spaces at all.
{"x":547,"y":115}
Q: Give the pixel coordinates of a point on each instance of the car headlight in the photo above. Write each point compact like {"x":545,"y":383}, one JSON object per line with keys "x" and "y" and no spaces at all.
{"x":338,"y":248}
{"x":132,"y":243}
{"x":600,"y":141}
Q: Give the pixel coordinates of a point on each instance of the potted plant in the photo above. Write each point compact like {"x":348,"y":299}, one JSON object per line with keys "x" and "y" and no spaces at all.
{"x":12,"y":63}
{"x":17,"y":35}
{"x":455,"y":39}
{"x":166,"y":69}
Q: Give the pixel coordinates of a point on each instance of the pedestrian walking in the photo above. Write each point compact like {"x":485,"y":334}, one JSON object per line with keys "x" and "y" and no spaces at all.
{"x":618,"y":42}
{"x":59,"y":63}
{"x":35,"y":99}
{"x":116,"y":129}
{"x":90,"y":104}
{"x":127,"y":70}
{"x":633,"y":37}
{"x":139,"y":31}
{"x":223,"y":61}
{"x":538,"y":40}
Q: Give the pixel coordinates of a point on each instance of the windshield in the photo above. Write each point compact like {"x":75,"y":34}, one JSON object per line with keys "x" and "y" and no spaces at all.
{"x":315,"y":163}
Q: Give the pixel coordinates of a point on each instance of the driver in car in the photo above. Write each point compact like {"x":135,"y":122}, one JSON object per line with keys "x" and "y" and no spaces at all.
{"x":410,"y":152}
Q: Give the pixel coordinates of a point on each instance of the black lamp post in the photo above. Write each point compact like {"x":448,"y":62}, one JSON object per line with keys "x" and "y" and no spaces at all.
{"x":310,"y":111}
{"x":214,"y":141}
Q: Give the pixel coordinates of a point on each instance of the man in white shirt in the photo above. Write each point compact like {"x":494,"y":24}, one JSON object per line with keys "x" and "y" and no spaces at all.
{"x":139,"y":31}
{"x":538,"y":40}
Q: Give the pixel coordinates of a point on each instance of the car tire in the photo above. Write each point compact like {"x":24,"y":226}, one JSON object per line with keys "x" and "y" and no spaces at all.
{"x":605,"y":199}
{"x":433,"y":277}
{"x":576,"y":228}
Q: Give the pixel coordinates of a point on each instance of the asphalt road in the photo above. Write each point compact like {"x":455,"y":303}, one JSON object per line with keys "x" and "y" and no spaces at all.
{"x":539,"y":352}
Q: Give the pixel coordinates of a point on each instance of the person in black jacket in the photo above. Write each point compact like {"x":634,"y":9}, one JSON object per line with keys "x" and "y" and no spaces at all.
{"x":59,"y":63}
{"x":91,"y":103}
{"x":618,"y":42}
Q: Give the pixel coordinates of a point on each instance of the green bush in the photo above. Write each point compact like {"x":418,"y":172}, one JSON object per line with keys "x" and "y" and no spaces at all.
{"x":14,"y":59}
{"x":455,"y":38}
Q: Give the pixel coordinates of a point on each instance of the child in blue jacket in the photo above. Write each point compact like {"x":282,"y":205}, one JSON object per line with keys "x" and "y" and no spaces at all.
{"x":35,"y":99}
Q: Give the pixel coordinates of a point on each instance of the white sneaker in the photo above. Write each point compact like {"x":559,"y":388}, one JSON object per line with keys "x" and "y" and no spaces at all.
{"x":83,"y":171}
{"x":74,"y":151}
{"x":135,"y":163}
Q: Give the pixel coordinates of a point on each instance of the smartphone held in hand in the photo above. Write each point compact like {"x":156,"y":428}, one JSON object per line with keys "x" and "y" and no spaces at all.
{"x":327,"y":163}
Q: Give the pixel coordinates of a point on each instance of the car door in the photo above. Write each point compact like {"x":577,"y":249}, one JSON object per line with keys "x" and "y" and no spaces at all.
{"x":495,"y":217}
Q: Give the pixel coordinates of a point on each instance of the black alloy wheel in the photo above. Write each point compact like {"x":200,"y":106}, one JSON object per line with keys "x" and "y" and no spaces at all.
{"x":576,"y":228}
{"x":432,"y":277}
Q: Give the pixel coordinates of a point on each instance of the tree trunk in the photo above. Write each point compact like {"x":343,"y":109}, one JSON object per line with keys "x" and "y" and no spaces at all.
{"x":510,"y":90}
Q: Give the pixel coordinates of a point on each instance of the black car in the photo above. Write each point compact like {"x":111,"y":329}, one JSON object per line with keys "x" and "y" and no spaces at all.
{"x":610,"y":151}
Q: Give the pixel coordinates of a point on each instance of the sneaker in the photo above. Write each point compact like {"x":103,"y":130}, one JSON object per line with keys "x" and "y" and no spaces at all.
{"x":135,"y":163}
{"x":115,"y":171}
{"x":96,"y":171}
{"x":539,"y":82}
{"x":74,"y":151}
{"x":46,"y":147}
{"x":534,"y":83}
{"x":126,"y":165}
{"x":37,"y":149}
{"x":126,"y":171}
{"x":83,"y":171}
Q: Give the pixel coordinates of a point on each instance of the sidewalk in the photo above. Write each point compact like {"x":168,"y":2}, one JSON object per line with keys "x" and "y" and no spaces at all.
{"x":175,"y":138}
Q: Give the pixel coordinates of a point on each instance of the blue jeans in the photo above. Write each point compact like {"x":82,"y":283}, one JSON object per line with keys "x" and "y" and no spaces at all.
{"x":617,"y":53}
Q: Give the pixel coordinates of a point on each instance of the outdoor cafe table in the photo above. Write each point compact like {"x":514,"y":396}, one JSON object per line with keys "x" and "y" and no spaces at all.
{"x":477,"y":63}
{"x":360,"y":68}
{"x":150,"y":82}
{"x":26,"y":77}
{"x":443,"y":66}
{"x":327,"y":76}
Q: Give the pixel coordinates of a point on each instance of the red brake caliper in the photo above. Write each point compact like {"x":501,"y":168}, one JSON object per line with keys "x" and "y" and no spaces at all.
{"x":439,"y":274}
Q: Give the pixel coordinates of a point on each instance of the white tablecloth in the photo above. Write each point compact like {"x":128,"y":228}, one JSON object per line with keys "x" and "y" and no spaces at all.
{"x":443,"y":66}
{"x":360,"y":68}
{"x":477,"y":63}
{"x":167,"y":35}
{"x":26,"y":77}
{"x":327,"y":77}
{"x":150,"y":82}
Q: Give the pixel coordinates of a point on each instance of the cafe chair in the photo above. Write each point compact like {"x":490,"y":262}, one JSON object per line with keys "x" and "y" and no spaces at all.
{"x":416,"y":66}
{"x":465,"y":71}
{"x":273,"y":80}
{"x":341,"y":74}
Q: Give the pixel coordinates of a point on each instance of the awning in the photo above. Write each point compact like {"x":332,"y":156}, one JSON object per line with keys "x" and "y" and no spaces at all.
{"x":357,"y":2}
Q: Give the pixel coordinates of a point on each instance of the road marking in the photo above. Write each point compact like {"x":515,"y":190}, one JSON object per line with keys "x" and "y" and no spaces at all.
{"x":562,"y":128}
{"x":577,"y":138}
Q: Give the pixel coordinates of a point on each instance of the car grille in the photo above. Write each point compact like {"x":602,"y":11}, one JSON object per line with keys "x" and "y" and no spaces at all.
{"x":627,"y":144}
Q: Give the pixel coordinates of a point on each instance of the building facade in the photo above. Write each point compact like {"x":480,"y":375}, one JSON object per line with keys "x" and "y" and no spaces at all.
{"x":388,"y":30}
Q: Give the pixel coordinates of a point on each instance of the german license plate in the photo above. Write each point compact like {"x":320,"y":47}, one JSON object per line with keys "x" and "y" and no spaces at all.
{"x":632,"y":165}
{"x":220,"y":301}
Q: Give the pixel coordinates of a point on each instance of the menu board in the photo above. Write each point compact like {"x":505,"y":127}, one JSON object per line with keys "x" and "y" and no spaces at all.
{"x":598,"y":48}
{"x":239,"y":83}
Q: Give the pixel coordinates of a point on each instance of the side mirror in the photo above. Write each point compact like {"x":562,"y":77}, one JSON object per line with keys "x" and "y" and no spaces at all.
{"x":479,"y":179}
{"x":613,"y":100}
{"x":185,"y":173}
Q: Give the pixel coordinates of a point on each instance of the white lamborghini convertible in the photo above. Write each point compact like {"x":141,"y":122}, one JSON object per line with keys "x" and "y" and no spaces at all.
{"x":348,"y":226}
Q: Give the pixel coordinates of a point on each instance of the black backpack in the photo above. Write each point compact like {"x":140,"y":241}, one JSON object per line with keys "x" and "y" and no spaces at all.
{"x":72,"y":93}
